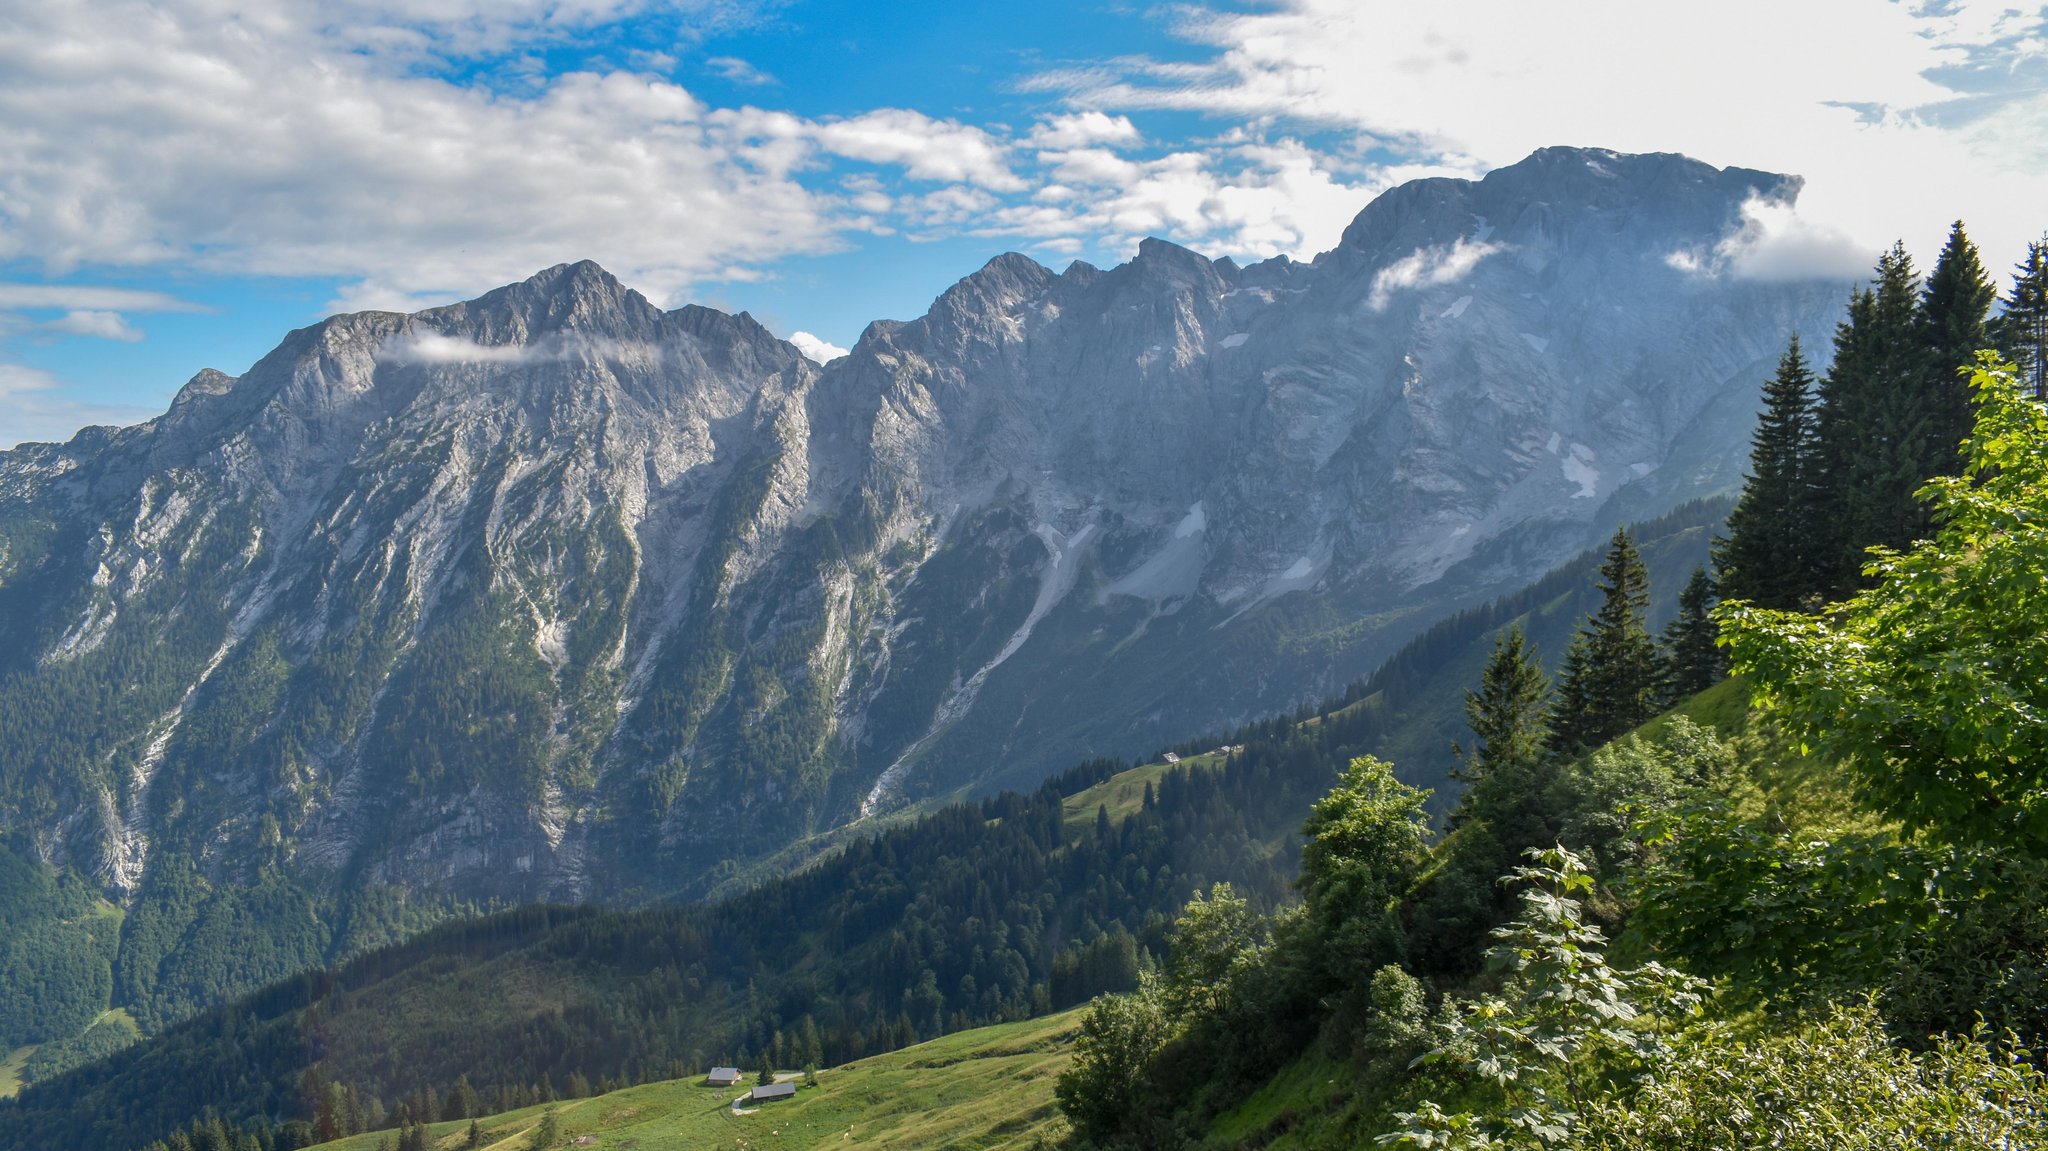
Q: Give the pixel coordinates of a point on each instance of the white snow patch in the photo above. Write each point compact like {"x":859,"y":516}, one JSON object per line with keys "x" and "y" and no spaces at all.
{"x":1540,"y":343}
{"x":1457,"y":307}
{"x":1299,"y":568}
{"x":1234,"y":340}
{"x":1578,"y":468}
{"x":1552,"y":446}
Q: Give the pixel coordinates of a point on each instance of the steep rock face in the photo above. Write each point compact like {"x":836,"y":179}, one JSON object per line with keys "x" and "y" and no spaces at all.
{"x":553,"y":594}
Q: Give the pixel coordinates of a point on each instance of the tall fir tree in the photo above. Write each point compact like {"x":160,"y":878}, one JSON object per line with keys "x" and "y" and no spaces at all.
{"x":1506,"y":715}
{"x":1955,"y":324}
{"x":2022,"y":329}
{"x":1871,"y":427}
{"x":1572,"y":724}
{"x":1692,"y":660}
{"x":1767,"y":557}
{"x":1611,"y":686}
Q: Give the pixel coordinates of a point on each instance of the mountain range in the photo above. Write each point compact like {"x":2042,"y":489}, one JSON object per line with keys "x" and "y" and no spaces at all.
{"x":556,"y":595}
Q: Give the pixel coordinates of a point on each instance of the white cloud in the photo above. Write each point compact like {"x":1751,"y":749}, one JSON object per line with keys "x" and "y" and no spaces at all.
{"x":815,"y":349}
{"x":140,"y":134}
{"x":420,"y":346}
{"x":927,"y":149}
{"x":738,"y":71}
{"x":1901,"y":116}
{"x":99,"y":325}
{"x":69,"y":296}
{"x":34,"y":408}
{"x":1428,"y":268}
{"x":1244,"y":197}
{"x":288,"y":139}
{"x":1777,"y":242}
{"x":1082,"y":129}
{"x":434,"y":348}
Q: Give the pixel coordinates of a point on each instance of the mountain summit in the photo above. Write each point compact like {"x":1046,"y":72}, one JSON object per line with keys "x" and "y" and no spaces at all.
{"x":553,"y":594}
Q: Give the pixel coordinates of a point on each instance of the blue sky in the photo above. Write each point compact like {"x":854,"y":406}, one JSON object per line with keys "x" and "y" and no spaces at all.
{"x":182,"y":181}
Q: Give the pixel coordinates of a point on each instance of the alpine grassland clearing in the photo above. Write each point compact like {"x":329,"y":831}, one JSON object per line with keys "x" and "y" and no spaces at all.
{"x":988,"y":1089}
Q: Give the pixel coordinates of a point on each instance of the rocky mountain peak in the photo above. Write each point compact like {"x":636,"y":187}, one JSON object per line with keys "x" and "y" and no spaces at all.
{"x":579,"y":298}
{"x":204,"y":383}
{"x":1167,"y":264}
{"x":1558,"y":191}
{"x":996,"y":287}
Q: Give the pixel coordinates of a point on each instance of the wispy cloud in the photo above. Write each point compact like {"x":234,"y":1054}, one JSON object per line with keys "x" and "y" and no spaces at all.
{"x":435,"y":348}
{"x":98,"y":325}
{"x":738,"y":71}
{"x":34,"y":407}
{"x":90,"y":298}
{"x":420,"y":346}
{"x":1428,"y":268}
{"x":1242,"y":195}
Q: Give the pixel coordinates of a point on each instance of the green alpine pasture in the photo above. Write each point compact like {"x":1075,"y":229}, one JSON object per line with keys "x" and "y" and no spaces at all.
{"x":989,"y":1089}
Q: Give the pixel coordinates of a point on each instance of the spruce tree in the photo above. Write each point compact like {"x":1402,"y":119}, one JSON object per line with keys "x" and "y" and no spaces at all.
{"x":546,"y":1133}
{"x":1871,"y":427}
{"x":1954,"y":321}
{"x":1507,"y":720}
{"x":1766,"y":557}
{"x":1570,"y":728}
{"x":1609,"y":682}
{"x":2022,"y":331}
{"x":1692,"y":661}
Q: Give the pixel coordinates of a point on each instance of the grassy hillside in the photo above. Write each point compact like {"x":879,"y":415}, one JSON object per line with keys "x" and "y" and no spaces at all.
{"x":989,"y":1089}
{"x":10,"y":1070}
{"x":1123,"y":794}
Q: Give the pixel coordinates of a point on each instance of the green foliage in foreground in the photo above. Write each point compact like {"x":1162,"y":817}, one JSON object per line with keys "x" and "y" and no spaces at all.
{"x":1867,"y":990}
{"x":1932,"y":684}
{"x":1563,"y":1023}
{"x":1575,"y":1054}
